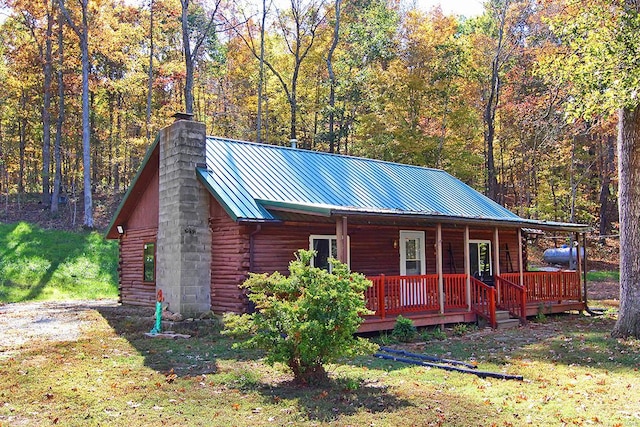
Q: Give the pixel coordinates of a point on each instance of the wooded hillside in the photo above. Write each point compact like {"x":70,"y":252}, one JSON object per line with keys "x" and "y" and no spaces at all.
{"x":362,"y":77}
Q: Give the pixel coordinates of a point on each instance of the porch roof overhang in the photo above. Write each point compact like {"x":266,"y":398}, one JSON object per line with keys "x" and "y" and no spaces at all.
{"x":283,"y":210}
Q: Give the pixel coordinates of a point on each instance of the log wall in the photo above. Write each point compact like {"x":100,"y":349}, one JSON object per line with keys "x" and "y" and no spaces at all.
{"x":229,"y":261}
{"x":133,"y":289}
{"x":372,"y":247}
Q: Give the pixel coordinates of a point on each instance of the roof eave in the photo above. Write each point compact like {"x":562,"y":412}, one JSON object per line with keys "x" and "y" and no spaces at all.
{"x":508,"y":222}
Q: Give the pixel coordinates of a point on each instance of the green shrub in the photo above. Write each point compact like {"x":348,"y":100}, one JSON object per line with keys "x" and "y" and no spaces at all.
{"x":435,"y":334}
{"x":404,"y":330}
{"x":460,"y":329}
{"x":305,"y":320}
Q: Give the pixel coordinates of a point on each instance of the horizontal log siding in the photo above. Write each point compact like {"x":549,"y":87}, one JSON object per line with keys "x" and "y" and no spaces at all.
{"x":229,"y":261}
{"x":133,"y":290}
{"x":276,"y":244}
{"x":372,"y":252}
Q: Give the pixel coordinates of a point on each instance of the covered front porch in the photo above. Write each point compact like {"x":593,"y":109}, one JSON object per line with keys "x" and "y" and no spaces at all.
{"x":434,"y":299}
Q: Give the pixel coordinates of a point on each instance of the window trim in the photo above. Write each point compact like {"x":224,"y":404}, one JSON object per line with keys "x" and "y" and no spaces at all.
{"x":144,"y":262}
{"x":313,"y":237}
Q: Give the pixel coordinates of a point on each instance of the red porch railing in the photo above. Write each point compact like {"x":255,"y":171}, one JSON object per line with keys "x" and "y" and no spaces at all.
{"x":543,"y":286}
{"x":483,"y":301}
{"x":393,"y":295}
{"x":512,"y":297}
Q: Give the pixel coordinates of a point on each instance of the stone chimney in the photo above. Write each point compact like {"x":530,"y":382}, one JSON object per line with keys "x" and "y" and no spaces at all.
{"x":183,"y":251}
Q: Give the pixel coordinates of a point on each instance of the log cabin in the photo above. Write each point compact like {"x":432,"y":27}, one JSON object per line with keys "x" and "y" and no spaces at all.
{"x":204,"y":212}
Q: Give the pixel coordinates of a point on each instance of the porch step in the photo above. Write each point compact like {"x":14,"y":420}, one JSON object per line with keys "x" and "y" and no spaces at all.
{"x":502,"y":315}
{"x":504,"y":321}
{"x":508,"y":324}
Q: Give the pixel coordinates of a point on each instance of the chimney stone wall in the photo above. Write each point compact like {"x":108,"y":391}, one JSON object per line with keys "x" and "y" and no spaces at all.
{"x":183,"y":252}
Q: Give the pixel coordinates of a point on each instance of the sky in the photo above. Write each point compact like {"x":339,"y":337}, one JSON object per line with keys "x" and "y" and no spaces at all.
{"x":468,"y":8}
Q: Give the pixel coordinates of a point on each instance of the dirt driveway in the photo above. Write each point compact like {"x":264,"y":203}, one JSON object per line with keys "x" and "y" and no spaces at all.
{"x":51,"y":321}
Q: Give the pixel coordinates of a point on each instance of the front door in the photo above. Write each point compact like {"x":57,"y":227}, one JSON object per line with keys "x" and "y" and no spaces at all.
{"x":480,"y":260}
{"x":412,"y":263}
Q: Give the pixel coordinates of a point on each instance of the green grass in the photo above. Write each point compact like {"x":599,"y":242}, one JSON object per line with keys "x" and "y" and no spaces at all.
{"x":574,"y":374}
{"x":603,"y":276}
{"x":37,"y":264}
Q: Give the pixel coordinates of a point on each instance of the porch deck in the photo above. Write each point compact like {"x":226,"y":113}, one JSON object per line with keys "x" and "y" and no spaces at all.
{"x":459,"y":298}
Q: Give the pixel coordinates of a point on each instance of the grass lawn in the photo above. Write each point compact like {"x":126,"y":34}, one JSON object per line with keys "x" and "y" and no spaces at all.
{"x":574,"y":374}
{"x":37,"y":264}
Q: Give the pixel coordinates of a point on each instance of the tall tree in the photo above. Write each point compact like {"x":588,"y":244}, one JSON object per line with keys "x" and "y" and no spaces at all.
{"x":599,"y":38}
{"x":261,"y":71}
{"x":198,"y":30}
{"x":82,"y":31}
{"x":332,"y":76}
{"x":150,"y":73}
{"x":57,"y":158}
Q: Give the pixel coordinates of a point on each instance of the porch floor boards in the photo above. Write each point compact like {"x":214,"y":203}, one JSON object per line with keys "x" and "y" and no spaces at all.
{"x":420,"y":318}
{"x":553,"y":307}
{"x":432,"y":318}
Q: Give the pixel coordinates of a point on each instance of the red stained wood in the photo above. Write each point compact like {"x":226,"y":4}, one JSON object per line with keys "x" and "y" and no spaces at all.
{"x":133,"y":289}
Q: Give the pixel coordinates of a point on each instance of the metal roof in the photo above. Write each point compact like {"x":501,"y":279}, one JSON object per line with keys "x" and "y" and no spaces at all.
{"x":254,"y":181}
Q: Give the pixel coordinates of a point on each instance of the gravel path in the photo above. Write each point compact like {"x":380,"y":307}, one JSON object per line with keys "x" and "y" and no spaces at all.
{"x":52,"y":321}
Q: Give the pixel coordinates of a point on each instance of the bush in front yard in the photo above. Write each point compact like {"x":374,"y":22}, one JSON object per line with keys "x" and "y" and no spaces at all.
{"x":305,"y":320}
{"x":404,"y":330}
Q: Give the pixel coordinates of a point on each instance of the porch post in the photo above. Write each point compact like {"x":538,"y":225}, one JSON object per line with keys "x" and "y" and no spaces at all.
{"x":496,"y":260}
{"x":439,"y":266}
{"x":341,"y":239}
{"x":579,"y":262}
{"x":467,"y":266}
{"x":520,"y":261}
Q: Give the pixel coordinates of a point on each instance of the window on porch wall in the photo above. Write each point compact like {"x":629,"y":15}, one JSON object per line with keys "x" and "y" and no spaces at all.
{"x":326,"y":246}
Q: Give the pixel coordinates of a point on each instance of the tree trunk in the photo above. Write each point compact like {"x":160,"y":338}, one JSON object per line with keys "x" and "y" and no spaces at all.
{"x":493,"y":192}
{"x":261,"y":74}
{"x":83,"y":34}
{"x":57,"y":177}
{"x":628,"y":323}
{"x":86,"y":124}
{"x":46,"y":114}
{"x":332,"y":79}
{"x":605,"y":191}
{"x":188,"y":60}
{"x":22,"y":125}
{"x":150,"y":75}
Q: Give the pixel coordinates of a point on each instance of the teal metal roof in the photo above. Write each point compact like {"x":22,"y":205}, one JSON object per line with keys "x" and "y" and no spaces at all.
{"x":255,"y":181}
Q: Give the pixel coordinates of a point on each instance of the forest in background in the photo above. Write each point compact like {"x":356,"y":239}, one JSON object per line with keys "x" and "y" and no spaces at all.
{"x":370,"y":78}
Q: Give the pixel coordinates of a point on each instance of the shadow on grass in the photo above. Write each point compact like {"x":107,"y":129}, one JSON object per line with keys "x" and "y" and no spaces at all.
{"x":204,"y":351}
{"x":183,"y":357}
{"x":336,"y":398}
{"x":30,"y":257}
{"x":567,"y":339}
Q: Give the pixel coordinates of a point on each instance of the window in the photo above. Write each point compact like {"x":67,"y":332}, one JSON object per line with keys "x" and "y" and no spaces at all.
{"x":326,"y":246}
{"x":149,"y":272}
